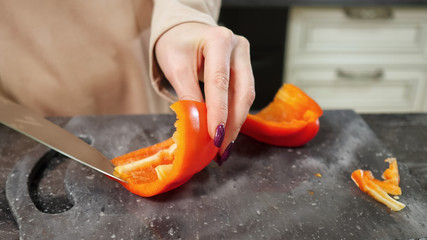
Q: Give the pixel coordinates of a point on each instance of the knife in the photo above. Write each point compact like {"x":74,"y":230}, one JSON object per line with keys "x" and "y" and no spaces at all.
{"x":51,"y":135}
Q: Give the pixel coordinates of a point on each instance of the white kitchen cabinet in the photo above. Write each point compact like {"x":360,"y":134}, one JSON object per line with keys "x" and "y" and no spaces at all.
{"x":369,"y":64}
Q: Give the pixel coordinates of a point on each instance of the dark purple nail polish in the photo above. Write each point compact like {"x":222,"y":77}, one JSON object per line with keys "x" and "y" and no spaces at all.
{"x":226,"y":153}
{"x":219,"y":135}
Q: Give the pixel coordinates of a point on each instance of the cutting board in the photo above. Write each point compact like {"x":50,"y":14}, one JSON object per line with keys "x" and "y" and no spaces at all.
{"x":261,"y":192}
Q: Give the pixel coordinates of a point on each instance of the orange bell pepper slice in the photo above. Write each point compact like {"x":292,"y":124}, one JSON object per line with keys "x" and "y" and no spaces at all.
{"x":290,"y":120}
{"x":164,"y":166}
{"x":378,"y":189}
{"x":391,"y":177}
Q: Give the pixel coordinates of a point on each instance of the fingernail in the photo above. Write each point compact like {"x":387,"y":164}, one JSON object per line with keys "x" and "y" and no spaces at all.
{"x":221,"y":159}
{"x":219,"y":135}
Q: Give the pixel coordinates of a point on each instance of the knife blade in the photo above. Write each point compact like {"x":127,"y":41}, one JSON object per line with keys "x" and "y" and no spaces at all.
{"x":51,"y":135}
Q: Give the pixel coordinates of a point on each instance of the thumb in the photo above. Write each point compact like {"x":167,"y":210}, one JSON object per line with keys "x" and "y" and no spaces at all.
{"x":180,"y":73}
{"x":185,"y":83}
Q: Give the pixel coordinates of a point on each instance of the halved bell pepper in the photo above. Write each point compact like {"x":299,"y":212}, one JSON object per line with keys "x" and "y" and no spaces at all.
{"x":291,"y":120}
{"x":167,"y":165}
{"x":378,"y":189}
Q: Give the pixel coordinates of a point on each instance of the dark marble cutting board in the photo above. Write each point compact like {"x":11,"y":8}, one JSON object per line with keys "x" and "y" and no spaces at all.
{"x":260,"y":192}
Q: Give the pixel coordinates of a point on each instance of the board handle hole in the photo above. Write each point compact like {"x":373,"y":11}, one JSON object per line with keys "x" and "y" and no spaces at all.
{"x":46,"y":182}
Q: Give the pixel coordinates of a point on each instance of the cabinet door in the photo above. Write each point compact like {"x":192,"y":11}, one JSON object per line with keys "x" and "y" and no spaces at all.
{"x":370,"y":65}
{"x":364,"y":89}
{"x":315,"y":32}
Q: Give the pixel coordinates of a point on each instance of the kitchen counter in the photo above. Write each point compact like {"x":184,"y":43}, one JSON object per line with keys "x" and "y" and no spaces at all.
{"x":403,"y":135}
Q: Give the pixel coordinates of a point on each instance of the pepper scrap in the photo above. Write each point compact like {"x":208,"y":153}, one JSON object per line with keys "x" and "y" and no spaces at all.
{"x":167,"y":165}
{"x":291,"y":120}
{"x":378,"y":189}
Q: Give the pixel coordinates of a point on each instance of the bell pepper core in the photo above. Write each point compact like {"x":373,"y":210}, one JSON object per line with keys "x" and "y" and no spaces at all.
{"x":290,"y":120}
{"x":164,"y":166}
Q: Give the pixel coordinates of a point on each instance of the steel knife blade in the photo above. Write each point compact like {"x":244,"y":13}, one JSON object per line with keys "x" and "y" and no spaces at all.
{"x":53,"y":136}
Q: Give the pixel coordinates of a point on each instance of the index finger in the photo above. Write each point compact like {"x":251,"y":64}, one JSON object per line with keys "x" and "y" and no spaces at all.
{"x":217,"y":53}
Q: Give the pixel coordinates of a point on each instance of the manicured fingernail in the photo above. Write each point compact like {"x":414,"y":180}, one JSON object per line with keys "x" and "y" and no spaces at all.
{"x":226,"y":154}
{"x":219,"y":135}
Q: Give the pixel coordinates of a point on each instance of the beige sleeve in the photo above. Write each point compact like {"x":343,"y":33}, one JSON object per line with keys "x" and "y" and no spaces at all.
{"x":167,"y":14}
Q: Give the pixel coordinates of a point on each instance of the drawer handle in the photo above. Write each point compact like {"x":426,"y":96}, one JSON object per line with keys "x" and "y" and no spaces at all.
{"x":368,"y":75}
{"x":368,"y":13}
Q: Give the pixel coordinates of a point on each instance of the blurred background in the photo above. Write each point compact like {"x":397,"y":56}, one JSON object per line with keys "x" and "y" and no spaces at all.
{"x":369,"y":58}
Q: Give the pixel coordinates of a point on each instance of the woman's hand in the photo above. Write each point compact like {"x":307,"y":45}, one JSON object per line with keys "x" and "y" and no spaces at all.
{"x":192,"y":51}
